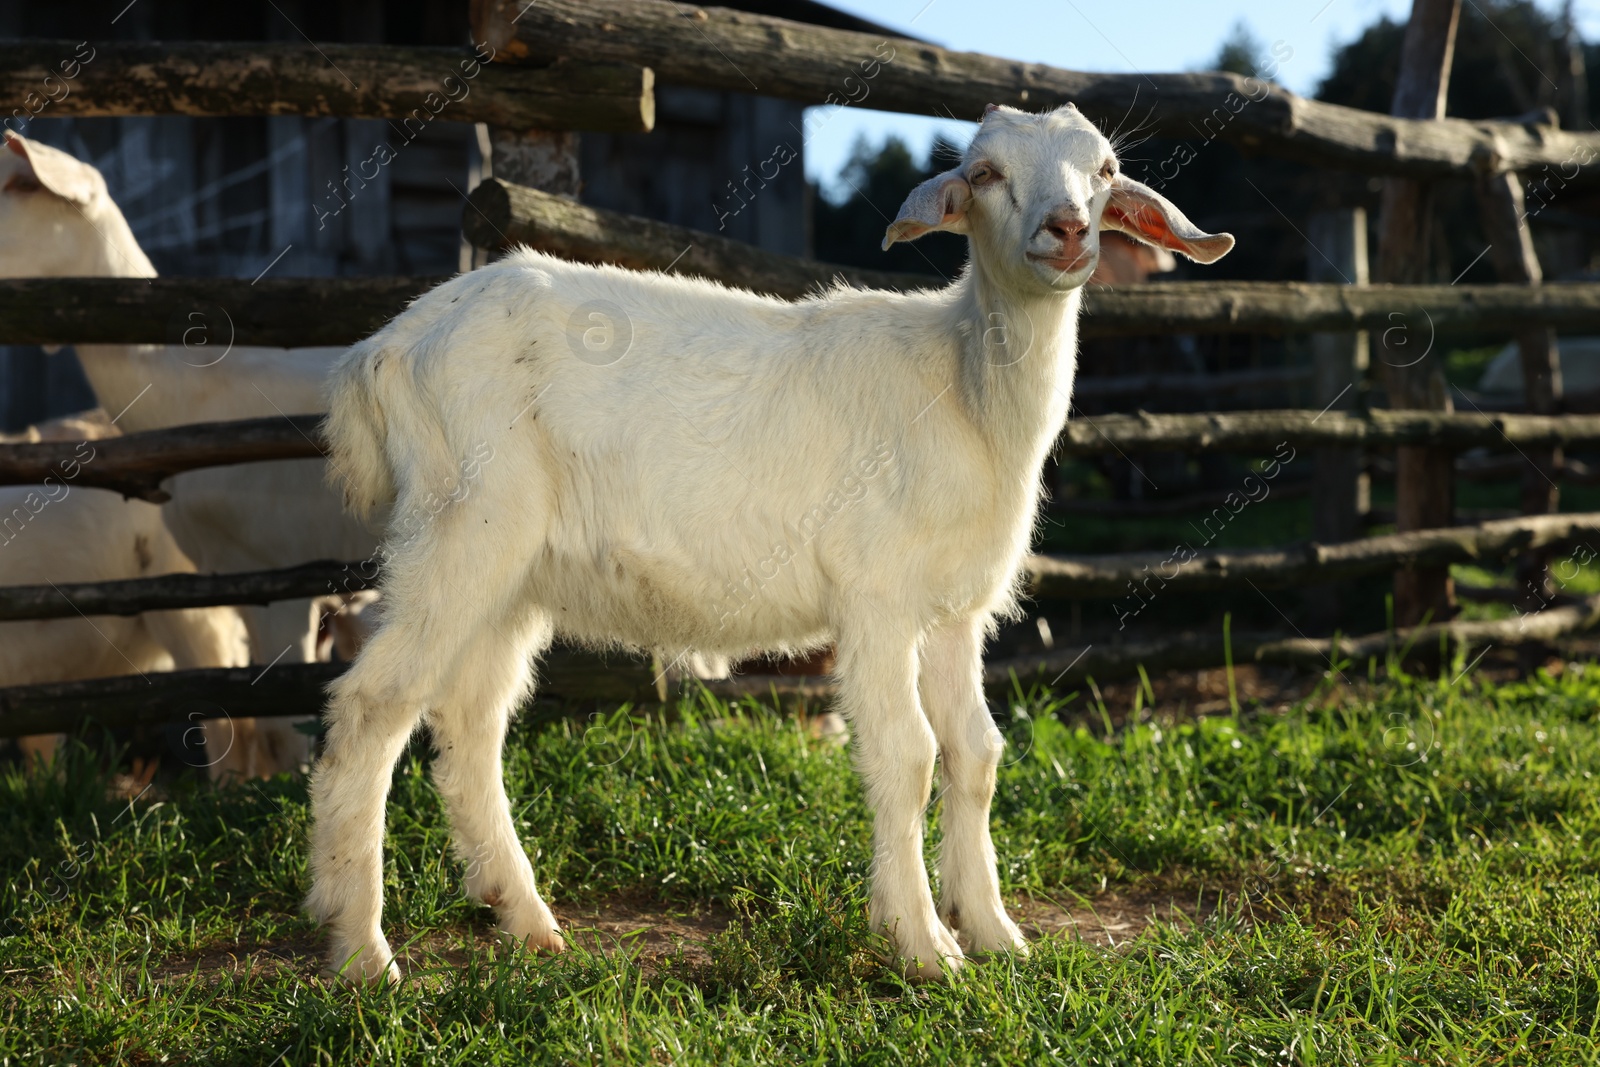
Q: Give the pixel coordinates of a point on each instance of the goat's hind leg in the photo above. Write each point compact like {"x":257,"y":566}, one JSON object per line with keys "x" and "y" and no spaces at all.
{"x":469,"y":726}
{"x":372,"y":711}
{"x":428,"y":625}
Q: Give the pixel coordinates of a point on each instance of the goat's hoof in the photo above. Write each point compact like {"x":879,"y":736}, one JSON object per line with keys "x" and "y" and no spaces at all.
{"x":533,"y":927}
{"x":549,"y":943}
{"x":993,"y":935}
{"x":362,"y":967}
{"x":930,"y":956}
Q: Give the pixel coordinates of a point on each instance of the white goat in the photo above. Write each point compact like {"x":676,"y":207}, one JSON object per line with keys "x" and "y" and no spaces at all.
{"x":59,"y":533}
{"x":57,"y":219}
{"x":678,"y":464}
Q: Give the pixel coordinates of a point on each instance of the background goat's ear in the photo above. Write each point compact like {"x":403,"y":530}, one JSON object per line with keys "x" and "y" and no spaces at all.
{"x":1145,"y":215}
{"x":940,"y":203}
{"x":54,"y":170}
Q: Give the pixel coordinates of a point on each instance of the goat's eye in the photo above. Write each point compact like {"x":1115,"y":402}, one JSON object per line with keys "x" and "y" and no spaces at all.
{"x":982,"y":174}
{"x":1109,"y":169}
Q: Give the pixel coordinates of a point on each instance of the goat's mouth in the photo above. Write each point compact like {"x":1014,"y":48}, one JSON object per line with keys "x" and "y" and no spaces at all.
{"x":1066,"y":264}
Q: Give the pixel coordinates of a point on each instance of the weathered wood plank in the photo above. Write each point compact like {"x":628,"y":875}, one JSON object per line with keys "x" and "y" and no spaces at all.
{"x":716,"y":48}
{"x":500,"y":214}
{"x":1266,"y":431}
{"x":66,"y":600}
{"x":583,"y":678}
{"x":295,"y":312}
{"x":1191,"y":651}
{"x":1189,"y":569}
{"x":215,"y":312}
{"x":412,"y":85}
{"x":1049,"y":576}
{"x":566,"y":674}
{"x":136,"y":464}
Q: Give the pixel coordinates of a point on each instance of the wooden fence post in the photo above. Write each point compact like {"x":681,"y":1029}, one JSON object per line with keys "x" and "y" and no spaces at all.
{"x":1424,"y":475}
{"x":1339,"y":362}
{"x":1505,"y":224}
{"x":541,"y":159}
{"x":1341,"y":491}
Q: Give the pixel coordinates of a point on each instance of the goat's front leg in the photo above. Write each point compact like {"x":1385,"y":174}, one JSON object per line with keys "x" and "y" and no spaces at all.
{"x":951,"y":685}
{"x":894,"y":753}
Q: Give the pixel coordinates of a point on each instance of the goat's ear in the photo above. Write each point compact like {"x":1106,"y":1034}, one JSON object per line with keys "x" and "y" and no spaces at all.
{"x":52,"y":170}
{"x":1145,"y":215}
{"x":940,"y":203}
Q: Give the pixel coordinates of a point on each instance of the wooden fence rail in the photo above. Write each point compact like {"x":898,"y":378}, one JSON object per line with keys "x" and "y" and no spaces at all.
{"x":716,"y":48}
{"x":412,"y":85}
{"x":66,"y":600}
{"x":212,"y":313}
{"x":299,"y":689}
{"x":1189,"y":569}
{"x":1185,"y":569}
{"x":1192,"y":651}
{"x":136,"y":464}
{"x":1268,"y":431}
{"x":583,"y":678}
{"x":500,"y":214}
{"x":202,"y":313}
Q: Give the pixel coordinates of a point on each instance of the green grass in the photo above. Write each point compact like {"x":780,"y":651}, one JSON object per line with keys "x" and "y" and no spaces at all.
{"x":1465,"y":366}
{"x":1402,"y":872}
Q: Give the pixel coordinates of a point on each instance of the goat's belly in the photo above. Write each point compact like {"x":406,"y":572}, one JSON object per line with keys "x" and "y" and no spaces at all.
{"x":649,"y":604}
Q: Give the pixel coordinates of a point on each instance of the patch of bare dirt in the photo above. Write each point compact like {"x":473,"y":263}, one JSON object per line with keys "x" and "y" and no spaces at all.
{"x":653,"y":932}
{"x":1205,"y":692}
{"x":266,"y":959}
{"x":1109,"y":920}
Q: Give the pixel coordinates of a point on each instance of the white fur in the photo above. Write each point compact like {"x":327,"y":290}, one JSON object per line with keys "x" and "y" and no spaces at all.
{"x":749,"y":475}
{"x":58,"y":533}
{"x":57,"y":219}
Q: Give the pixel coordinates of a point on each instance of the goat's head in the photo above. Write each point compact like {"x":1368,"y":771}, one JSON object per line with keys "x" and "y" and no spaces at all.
{"x":56,"y":217}
{"x":1032,"y":194}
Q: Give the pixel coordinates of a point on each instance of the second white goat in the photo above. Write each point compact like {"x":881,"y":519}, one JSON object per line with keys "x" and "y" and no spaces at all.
{"x":678,"y":464}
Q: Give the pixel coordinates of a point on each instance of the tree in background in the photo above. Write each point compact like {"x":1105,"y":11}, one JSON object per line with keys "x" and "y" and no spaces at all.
{"x":1241,"y":51}
{"x":1511,"y":57}
{"x":851,"y":232}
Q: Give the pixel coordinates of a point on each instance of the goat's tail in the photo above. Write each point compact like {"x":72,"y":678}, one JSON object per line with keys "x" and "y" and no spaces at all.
{"x":357,"y":431}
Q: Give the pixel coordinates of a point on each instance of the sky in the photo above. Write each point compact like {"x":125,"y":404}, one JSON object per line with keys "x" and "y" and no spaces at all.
{"x":1114,"y":36}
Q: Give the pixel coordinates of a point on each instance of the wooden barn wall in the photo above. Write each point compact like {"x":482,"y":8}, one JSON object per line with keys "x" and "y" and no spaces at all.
{"x":233,"y":196}
{"x":726,"y":163}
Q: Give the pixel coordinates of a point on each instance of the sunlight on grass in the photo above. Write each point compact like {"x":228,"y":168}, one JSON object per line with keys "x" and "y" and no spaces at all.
{"x":1401,"y":873}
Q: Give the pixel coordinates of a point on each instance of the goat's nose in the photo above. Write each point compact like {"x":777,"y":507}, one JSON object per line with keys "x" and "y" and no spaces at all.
{"x":1067,"y":226}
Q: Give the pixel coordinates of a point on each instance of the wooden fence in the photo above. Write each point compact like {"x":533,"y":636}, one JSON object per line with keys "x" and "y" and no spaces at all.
{"x":591,"y":64}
